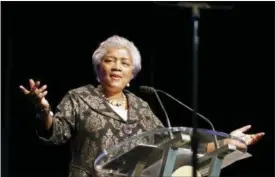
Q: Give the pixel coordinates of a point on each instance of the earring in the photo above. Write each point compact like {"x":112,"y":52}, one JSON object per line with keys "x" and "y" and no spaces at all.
{"x":128,"y":85}
{"x":97,"y":78}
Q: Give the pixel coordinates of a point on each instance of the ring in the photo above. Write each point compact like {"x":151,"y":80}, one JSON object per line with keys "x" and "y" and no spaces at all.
{"x":33,"y":88}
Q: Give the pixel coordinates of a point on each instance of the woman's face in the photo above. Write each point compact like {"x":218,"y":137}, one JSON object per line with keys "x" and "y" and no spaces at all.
{"x":116,"y":69}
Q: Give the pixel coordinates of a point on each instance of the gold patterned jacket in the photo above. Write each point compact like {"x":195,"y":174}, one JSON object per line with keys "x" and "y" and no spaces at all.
{"x":84,"y":118}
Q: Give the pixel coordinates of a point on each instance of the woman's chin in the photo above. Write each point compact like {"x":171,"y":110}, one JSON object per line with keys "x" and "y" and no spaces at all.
{"x":116,"y":85}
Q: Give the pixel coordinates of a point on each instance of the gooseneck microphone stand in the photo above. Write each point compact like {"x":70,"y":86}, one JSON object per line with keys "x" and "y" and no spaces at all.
{"x":195,"y":9}
{"x":194,"y":138}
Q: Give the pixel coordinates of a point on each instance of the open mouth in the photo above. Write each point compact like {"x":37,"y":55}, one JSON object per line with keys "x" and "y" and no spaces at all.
{"x":115,"y":76}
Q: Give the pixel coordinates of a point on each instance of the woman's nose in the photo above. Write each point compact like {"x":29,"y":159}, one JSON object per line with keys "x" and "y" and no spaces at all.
{"x":117,"y":65}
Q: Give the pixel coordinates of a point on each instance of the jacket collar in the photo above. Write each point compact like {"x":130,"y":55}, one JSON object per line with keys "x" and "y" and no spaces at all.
{"x":94,"y":99}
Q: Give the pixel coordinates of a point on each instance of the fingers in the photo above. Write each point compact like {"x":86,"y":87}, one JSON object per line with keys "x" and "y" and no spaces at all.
{"x":37,"y":84}
{"x":24,"y":90}
{"x":42,"y":94}
{"x":45,"y":93}
{"x":32,"y":83}
{"x":254,"y":138}
{"x":245,"y":128}
{"x":257,"y":137}
{"x":42,"y":89}
{"x":261,"y":134}
{"x":34,"y":89}
{"x":248,"y":138}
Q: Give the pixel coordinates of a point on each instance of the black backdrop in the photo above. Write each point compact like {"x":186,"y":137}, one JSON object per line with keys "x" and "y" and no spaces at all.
{"x":54,"y":41}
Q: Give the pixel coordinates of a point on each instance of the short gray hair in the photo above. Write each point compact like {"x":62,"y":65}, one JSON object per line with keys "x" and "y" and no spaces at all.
{"x":117,"y":42}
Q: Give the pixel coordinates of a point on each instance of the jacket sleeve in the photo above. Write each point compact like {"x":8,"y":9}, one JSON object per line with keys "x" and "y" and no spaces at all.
{"x":64,"y":122}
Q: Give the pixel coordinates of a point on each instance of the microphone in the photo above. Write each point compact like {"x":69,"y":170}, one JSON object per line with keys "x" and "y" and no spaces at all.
{"x":151,"y":89}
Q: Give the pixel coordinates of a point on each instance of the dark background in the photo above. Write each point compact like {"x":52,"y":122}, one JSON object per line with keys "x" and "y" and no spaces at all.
{"x":54,"y":42}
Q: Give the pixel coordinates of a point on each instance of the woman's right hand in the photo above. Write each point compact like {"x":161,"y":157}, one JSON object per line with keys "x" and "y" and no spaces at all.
{"x":36,"y":94}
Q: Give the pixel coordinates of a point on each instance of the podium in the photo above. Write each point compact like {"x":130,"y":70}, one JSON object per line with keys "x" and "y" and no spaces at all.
{"x":156,"y":154}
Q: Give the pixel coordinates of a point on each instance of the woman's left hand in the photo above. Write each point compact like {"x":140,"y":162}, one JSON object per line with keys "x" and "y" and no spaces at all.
{"x":248,"y":138}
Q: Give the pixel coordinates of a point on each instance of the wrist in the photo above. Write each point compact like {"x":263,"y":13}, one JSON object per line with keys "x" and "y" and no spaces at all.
{"x":39,"y":106}
{"x":44,"y":112}
{"x":227,"y":141}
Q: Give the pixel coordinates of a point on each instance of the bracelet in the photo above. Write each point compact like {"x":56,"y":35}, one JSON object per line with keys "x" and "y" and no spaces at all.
{"x":44,"y":112}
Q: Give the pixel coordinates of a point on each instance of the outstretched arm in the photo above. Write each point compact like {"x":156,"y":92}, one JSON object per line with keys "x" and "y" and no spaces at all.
{"x":249,"y":139}
{"x":56,"y":128}
{"x":62,"y":123}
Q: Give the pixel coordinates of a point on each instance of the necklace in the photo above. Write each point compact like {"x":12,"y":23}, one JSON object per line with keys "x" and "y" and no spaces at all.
{"x":114,"y":102}
{"x":127,"y":130}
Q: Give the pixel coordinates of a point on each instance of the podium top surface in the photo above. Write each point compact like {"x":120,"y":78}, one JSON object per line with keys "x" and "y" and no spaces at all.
{"x":149,"y":146}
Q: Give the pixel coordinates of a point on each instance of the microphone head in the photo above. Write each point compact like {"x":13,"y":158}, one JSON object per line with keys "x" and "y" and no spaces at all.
{"x":146,"y":89}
